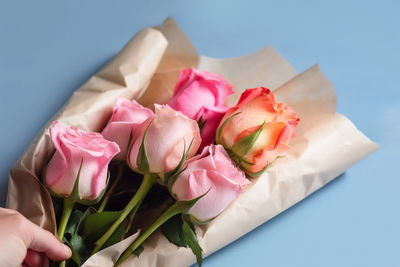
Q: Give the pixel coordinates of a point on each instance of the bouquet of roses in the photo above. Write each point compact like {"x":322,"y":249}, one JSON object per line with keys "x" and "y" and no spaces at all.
{"x":174,"y":147}
{"x":185,"y":157}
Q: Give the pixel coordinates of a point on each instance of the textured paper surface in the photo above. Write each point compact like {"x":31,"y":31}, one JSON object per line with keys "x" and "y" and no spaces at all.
{"x":326,"y":145}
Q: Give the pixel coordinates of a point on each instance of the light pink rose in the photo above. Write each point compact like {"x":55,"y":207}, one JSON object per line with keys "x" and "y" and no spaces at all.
{"x":201,"y":96}
{"x":126,"y":118}
{"x":73,"y":148}
{"x":166,"y":137}
{"x":211,"y":170}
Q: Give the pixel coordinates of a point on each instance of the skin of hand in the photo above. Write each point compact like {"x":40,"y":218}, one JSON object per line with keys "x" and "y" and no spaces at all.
{"x":23,"y":243}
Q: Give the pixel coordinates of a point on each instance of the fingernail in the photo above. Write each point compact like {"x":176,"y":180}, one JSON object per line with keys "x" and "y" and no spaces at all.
{"x":67,"y":250}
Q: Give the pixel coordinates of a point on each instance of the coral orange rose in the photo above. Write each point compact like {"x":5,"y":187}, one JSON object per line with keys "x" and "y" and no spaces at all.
{"x":257,"y":130}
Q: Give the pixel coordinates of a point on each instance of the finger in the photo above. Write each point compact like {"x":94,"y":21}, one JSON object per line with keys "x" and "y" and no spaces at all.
{"x":36,"y":259}
{"x":40,"y":240}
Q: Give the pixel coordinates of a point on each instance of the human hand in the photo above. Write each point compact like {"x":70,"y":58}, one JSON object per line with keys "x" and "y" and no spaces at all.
{"x":23,"y":243}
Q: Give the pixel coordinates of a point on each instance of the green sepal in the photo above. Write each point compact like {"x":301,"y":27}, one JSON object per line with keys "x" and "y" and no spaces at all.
{"x":245,"y":144}
{"x":185,"y":205}
{"x":195,"y":220}
{"x":190,"y":238}
{"x":142,"y":162}
{"x":237,"y":159}
{"x":254,"y":175}
{"x":99,"y":197}
{"x":201,"y":123}
{"x":129,"y":146}
{"x":74,"y":196}
{"x":172,"y":181}
{"x":74,"y":190}
{"x":172,"y":230}
{"x":221,"y":128}
{"x":127,"y":159}
{"x":171,"y":176}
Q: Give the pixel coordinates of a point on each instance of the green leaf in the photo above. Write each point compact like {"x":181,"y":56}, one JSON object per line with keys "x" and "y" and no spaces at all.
{"x":73,"y":222}
{"x":129,"y":220}
{"x":117,"y":236}
{"x":139,"y":250}
{"x":244,"y":145}
{"x":141,"y":161}
{"x":88,"y":211}
{"x":80,"y":249}
{"x":97,"y":224}
{"x":189,"y":236}
{"x":172,"y":230}
{"x":221,"y":128}
{"x":74,"y":255}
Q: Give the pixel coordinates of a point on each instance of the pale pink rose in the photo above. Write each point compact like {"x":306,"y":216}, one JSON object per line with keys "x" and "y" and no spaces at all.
{"x":126,"y":118}
{"x":165,"y":140}
{"x":256,"y":110}
{"x":201,"y":96}
{"x":75,"y":147}
{"x":211,"y":171}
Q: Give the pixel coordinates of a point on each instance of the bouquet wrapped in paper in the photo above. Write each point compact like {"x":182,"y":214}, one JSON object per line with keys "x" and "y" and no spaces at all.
{"x":147,"y":70}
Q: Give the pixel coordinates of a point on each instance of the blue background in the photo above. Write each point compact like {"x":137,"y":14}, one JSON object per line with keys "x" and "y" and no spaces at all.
{"x":49,"y":48}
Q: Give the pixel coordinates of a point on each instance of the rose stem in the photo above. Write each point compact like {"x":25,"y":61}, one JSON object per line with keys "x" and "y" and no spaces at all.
{"x":172,"y":211}
{"x":68,"y":205}
{"x":147,"y":183}
{"x":67,"y":209}
{"x":111,"y":190}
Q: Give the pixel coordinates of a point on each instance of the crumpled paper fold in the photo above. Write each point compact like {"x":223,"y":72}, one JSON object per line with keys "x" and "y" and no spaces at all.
{"x":147,"y":69}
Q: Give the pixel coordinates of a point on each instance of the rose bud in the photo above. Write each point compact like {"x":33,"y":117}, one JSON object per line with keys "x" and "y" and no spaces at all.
{"x":214,"y":173}
{"x":257,"y":130}
{"x":201,"y":96}
{"x":165,"y":140}
{"x":127,"y":116}
{"x":78,"y":153}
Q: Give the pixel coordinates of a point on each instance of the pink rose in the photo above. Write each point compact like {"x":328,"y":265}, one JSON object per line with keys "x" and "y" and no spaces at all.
{"x":211,"y":170}
{"x":126,"y":118}
{"x":77,"y":149}
{"x":165,"y":140}
{"x":257,"y":129}
{"x":201,"y":96}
